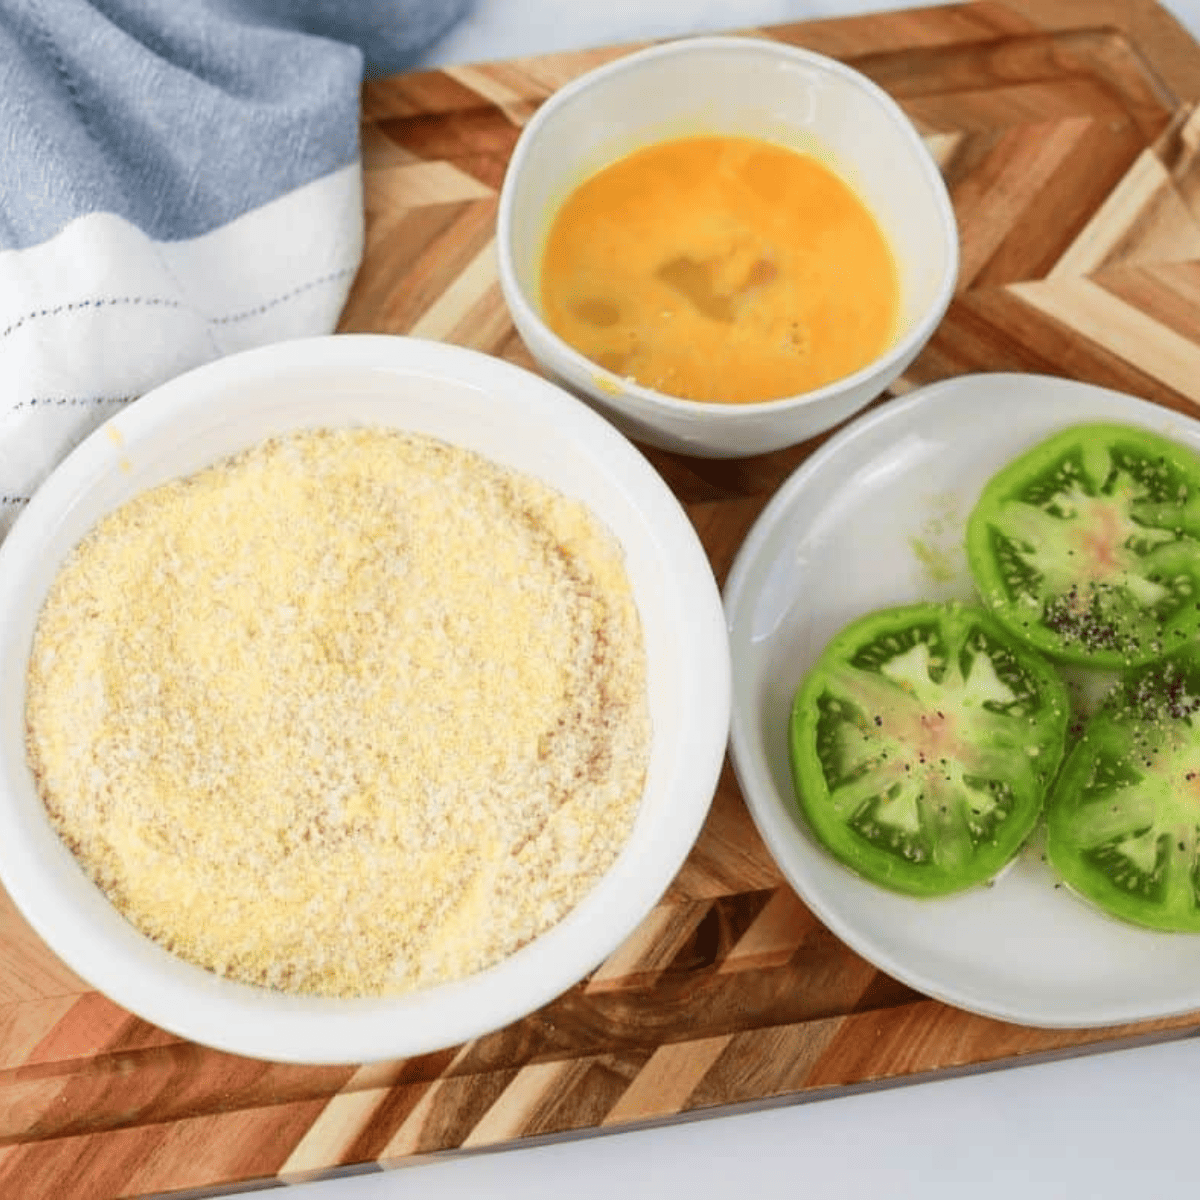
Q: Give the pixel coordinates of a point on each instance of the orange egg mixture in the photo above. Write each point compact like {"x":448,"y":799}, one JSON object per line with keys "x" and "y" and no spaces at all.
{"x":720,"y":268}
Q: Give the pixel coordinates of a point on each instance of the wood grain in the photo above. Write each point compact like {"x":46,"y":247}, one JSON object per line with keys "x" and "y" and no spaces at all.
{"x":1067,"y":134}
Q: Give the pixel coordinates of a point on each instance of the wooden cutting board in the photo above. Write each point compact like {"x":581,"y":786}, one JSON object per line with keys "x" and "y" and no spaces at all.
{"x":1067,"y":133}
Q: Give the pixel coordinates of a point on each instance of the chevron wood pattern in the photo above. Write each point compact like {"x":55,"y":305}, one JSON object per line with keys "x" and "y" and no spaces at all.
{"x":1071,"y":143}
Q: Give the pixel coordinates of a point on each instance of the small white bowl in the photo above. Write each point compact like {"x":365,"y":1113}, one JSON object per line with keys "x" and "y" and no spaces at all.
{"x":739,"y":86}
{"x":512,"y":417}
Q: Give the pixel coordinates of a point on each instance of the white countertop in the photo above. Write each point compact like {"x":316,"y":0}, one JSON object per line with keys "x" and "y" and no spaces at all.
{"x":498,"y":29}
{"x":1114,"y":1124}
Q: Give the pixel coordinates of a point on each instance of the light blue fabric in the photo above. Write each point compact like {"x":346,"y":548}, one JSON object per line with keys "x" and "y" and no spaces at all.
{"x":179,"y":180}
{"x":180,"y":115}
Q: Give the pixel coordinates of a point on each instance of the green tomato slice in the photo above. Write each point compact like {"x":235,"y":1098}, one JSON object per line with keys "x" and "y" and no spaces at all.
{"x":923,"y":741}
{"x":1088,"y":545}
{"x":1123,"y":819}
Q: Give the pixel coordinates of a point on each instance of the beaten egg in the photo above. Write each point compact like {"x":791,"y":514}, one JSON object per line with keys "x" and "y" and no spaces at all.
{"x":720,"y":269}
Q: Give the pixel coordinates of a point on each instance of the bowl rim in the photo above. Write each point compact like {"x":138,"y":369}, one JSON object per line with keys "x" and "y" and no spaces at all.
{"x":643,"y":400}
{"x":244,"y":1019}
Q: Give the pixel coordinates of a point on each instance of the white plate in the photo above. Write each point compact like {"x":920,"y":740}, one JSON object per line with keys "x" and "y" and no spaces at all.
{"x":876,"y":518}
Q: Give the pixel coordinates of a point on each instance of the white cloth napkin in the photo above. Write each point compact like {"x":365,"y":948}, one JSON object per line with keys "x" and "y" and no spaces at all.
{"x":181,"y":181}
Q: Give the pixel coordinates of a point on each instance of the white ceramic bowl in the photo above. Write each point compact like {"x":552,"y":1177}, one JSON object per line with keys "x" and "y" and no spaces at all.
{"x":738,"y":86}
{"x":509,"y":415}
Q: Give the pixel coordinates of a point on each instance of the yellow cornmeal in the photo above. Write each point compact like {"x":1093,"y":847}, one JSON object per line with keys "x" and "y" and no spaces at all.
{"x":351,"y":713}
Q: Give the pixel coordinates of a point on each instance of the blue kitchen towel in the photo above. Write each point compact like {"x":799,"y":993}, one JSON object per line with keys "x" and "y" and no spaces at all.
{"x":180,"y":179}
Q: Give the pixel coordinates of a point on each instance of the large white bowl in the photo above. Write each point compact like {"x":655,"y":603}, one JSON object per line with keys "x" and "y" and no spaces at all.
{"x":469,"y":399}
{"x":741,"y":86}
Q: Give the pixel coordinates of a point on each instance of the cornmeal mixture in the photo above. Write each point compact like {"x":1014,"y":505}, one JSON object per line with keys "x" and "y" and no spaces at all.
{"x":352,"y":713}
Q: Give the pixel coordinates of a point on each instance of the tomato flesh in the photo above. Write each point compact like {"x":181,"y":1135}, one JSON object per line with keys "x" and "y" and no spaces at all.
{"x":1123,"y":819}
{"x":923,"y":741}
{"x":1088,"y":545}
